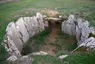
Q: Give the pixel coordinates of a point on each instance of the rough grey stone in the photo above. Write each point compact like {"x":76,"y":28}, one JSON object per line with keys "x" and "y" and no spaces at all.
{"x":12,"y":32}
{"x":12,"y":58}
{"x":11,"y":47}
{"x":35,"y":26}
{"x":40,"y":21}
{"x":22,"y":30}
{"x":82,"y":30}
{"x":69,"y":26}
{"x":23,"y":60}
{"x":31,"y":25}
{"x":27,"y":22}
{"x":89,"y":43}
{"x":85,"y":31}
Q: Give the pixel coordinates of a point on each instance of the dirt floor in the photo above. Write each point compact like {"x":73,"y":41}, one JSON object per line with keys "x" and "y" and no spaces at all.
{"x":51,"y":39}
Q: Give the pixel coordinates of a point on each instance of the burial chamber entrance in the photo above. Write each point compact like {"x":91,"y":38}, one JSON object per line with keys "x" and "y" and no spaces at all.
{"x":52,"y":40}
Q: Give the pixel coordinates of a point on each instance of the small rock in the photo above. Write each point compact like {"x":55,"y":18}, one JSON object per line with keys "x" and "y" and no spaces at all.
{"x":12,"y":58}
{"x":63,"y":56}
{"x":39,"y":53}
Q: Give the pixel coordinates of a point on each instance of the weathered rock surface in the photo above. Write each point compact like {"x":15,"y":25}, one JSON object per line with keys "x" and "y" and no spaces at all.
{"x":12,"y":58}
{"x":39,"y":53}
{"x":85,"y":31}
{"x":69,"y":26}
{"x":24,"y":36}
{"x":89,"y":43}
{"x":31,"y":24}
{"x":40,"y":21}
{"x":11,"y":47}
{"x":12,"y":32}
{"x":82,"y":30}
{"x":63,"y":56}
{"x":35,"y":26}
{"x":27,"y":22}
{"x":23,"y":60}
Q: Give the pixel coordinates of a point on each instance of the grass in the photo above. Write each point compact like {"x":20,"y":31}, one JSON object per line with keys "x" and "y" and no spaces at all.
{"x":81,"y":58}
{"x":3,"y":55}
{"x":39,"y":39}
{"x":75,"y":58}
{"x":65,"y":43}
{"x":48,"y":59}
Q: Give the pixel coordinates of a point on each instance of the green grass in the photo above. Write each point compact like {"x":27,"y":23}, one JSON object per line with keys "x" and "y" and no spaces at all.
{"x":75,"y":58}
{"x":3,"y":55}
{"x":39,"y":38}
{"x":81,"y":58}
{"x":48,"y":59}
{"x":65,"y":43}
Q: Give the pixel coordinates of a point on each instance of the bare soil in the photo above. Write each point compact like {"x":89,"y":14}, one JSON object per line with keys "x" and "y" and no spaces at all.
{"x":51,"y":39}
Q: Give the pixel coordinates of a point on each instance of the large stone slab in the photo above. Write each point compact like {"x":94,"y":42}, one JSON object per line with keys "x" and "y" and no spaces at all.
{"x":69,"y":26}
{"x":35,"y":27}
{"x":82,"y":30}
{"x":22,"y":30}
{"x":11,"y":47}
{"x":12,"y":32}
{"x":27,"y":23}
{"x":31,"y":25}
{"x":40,"y":21}
{"x":85,"y":31}
{"x":79,"y":30}
{"x":89,"y":43}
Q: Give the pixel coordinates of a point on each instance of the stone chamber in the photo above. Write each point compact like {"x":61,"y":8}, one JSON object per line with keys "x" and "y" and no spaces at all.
{"x":39,"y":35}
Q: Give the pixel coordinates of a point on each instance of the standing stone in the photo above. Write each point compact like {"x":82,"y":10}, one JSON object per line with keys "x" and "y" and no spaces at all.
{"x":11,"y":47}
{"x":40,"y":21}
{"x":12,"y":32}
{"x":31,"y":25}
{"x":35,"y":27}
{"x":79,"y":30}
{"x":85,"y":31}
{"x":69,"y":26}
{"x":89,"y":43}
{"x":27,"y":23}
{"x":22,"y":30}
{"x":82,"y":30}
